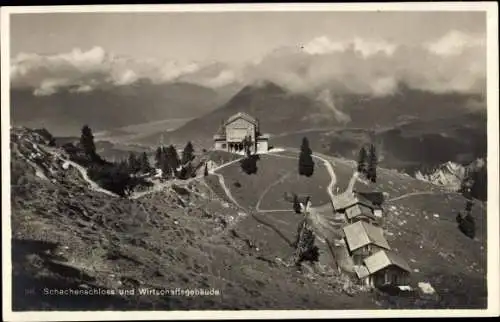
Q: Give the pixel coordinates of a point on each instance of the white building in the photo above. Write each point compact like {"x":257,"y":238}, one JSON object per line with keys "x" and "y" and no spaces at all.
{"x":233,"y":132}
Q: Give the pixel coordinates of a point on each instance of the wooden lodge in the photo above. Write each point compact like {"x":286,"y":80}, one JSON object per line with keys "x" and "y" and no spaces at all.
{"x":355,"y":206}
{"x":364,"y":239}
{"x":383,"y":268}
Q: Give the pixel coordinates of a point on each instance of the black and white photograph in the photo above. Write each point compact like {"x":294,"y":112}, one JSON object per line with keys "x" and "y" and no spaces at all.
{"x":231,"y":159}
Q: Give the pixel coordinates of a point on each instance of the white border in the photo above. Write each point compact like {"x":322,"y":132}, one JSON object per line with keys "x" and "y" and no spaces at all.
{"x":493,"y":223}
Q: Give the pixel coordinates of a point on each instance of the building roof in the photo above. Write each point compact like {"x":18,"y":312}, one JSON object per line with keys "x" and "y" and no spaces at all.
{"x":346,"y":200}
{"x":361,"y":271}
{"x":263,"y":136}
{"x":359,"y":210}
{"x":242,"y":115}
{"x":219,"y":137}
{"x":360,"y":234}
{"x":375,"y":197}
{"x":383,"y":259}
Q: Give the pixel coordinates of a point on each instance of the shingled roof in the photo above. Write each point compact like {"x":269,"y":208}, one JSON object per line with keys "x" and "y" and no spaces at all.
{"x":360,"y":234}
{"x":346,"y":200}
{"x":383,"y":259}
{"x":359,"y":210}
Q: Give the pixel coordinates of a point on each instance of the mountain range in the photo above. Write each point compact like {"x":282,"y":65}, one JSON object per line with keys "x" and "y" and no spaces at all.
{"x":106,"y":108}
{"x":412,"y":129}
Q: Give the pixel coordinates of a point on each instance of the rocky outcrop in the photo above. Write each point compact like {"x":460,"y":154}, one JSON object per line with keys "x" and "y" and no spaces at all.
{"x":450,"y":174}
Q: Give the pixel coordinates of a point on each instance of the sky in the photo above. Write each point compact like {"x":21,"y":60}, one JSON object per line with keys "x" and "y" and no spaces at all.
{"x":227,"y":37}
{"x":362,"y":52}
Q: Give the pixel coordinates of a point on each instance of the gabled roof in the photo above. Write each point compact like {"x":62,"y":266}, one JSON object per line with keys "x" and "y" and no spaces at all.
{"x":360,"y":234}
{"x":375,"y":197}
{"x":383,"y":259}
{"x":242,"y":115}
{"x":346,"y":200}
{"x":361,"y":271}
{"x":359,"y":210}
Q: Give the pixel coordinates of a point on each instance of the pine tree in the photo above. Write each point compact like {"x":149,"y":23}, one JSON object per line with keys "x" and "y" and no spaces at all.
{"x":306,"y":162}
{"x":362,"y":161}
{"x":133,"y":163}
{"x":188,"y":153}
{"x":172,"y":159}
{"x":372,"y":164}
{"x":144,"y":163}
{"x":164,"y":164}
{"x":87,"y":142}
{"x":159,"y":157}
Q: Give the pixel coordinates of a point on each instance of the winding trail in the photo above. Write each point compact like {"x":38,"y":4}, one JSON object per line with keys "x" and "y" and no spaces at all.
{"x":93,"y":185}
{"x":328,"y":166}
{"x":83,"y":172}
{"x":280,"y":180}
{"x":227,"y":191}
{"x":406,"y":195}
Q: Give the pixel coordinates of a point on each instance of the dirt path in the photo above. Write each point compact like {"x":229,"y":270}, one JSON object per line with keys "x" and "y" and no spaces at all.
{"x":406,"y":195}
{"x":257,"y":206}
{"x":162,"y":186}
{"x":227,"y":191}
{"x":83,"y":172}
{"x":328,"y":166}
{"x":93,"y":185}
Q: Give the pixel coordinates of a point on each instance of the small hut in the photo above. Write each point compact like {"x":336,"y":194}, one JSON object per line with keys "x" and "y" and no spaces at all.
{"x":384,"y":268}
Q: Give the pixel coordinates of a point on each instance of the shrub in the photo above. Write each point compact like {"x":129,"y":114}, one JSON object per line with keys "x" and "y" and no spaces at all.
{"x":467,"y":226}
{"x":249,"y":164}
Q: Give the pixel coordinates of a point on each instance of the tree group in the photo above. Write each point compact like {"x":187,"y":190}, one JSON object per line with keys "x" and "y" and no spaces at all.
{"x":137,"y":163}
{"x":167,"y":159}
{"x":113,"y":176}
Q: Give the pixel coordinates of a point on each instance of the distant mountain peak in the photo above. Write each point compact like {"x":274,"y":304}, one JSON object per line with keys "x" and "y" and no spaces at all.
{"x":263,"y":87}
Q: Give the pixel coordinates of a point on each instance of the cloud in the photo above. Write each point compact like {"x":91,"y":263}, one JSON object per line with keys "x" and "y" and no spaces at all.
{"x":455,"y":61}
{"x":323,"y":45}
{"x":455,"y":43}
{"x":83,"y":71}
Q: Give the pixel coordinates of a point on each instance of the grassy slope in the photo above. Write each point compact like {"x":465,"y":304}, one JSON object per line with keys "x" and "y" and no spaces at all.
{"x":272,"y":169}
{"x":433,"y":246}
{"x":65,"y":236}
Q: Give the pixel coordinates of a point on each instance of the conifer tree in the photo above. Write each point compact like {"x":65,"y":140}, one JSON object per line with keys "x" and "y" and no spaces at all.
{"x":372,"y":164}
{"x":172,"y":159}
{"x":159,"y":156}
{"x":144,"y":163}
{"x":362,"y":161}
{"x":306,"y":162}
{"x":188,"y":153}
{"x":87,"y":142}
{"x":133,"y":163}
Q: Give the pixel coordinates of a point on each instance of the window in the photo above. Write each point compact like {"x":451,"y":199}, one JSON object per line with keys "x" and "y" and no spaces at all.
{"x":224,"y":145}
